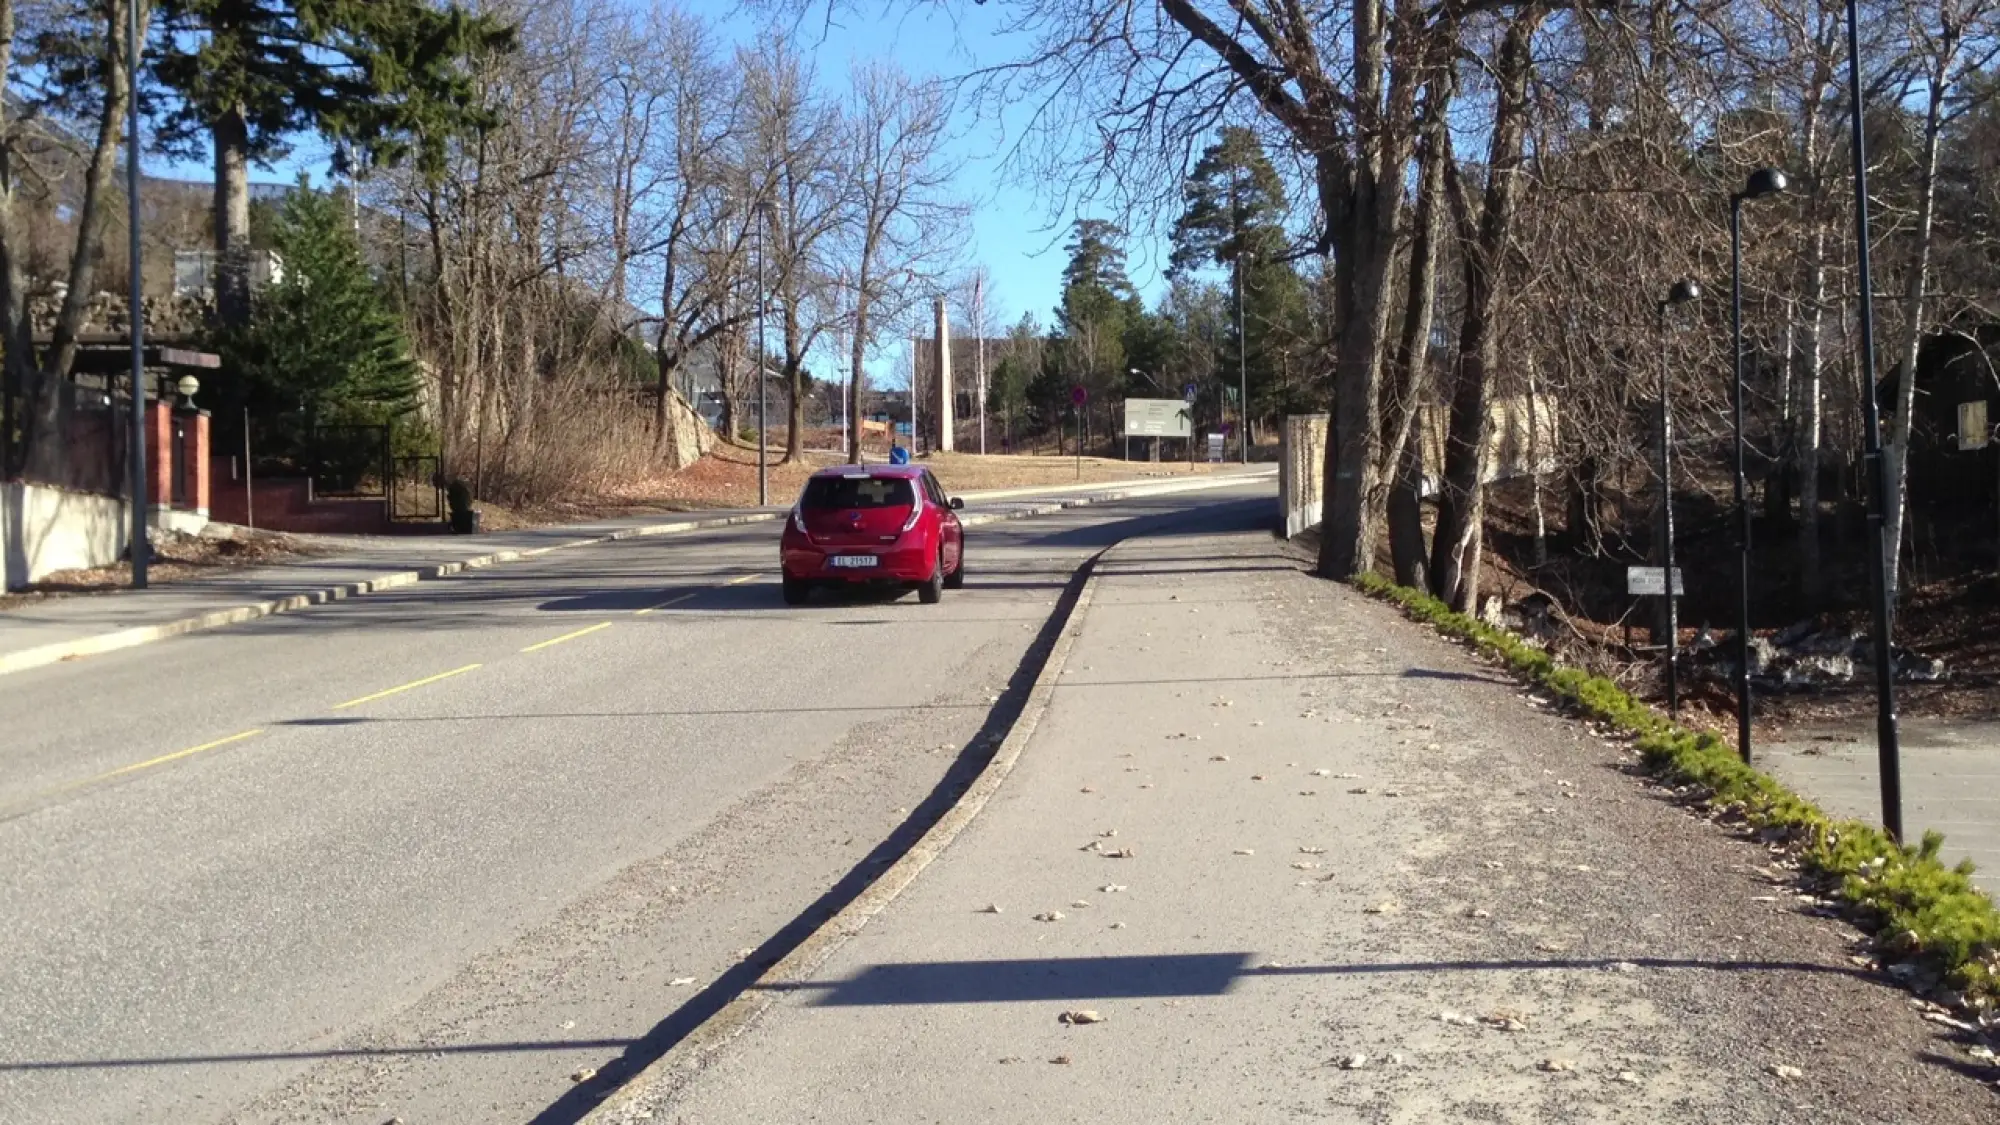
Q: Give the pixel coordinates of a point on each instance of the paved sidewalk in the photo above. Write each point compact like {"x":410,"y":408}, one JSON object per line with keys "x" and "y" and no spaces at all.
{"x":61,"y":628}
{"x":1951,"y":781}
{"x":1308,"y":862}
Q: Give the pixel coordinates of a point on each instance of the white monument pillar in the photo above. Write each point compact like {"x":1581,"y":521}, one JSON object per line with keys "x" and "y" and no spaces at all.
{"x":943,"y":378}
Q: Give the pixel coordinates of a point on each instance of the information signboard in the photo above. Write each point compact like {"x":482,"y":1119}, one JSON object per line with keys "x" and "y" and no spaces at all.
{"x":1157,"y":417}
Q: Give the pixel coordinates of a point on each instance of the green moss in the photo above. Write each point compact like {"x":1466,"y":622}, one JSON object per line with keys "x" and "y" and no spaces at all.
{"x":1905,"y":895}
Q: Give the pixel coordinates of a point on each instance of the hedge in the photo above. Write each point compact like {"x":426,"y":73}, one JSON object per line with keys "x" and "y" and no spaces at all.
{"x":1917,"y":908}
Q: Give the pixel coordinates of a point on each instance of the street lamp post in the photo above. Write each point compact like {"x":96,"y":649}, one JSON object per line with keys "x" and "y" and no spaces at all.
{"x":1762,"y":182}
{"x":1887,"y":749}
{"x":1682,"y":293}
{"x":1242,"y":344}
{"x":137,"y":319}
{"x":759,"y":214}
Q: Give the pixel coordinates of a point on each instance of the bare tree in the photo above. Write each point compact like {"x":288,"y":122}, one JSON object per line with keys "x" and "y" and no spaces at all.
{"x":81,"y":50}
{"x":900,"y":214}
{"x":794,"y":164}
{"x":688,"y":219}
{"x":1950,"y":41}
{"x":1457,"y":543}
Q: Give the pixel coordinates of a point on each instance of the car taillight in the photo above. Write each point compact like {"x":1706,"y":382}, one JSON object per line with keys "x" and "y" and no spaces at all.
{"x":916,"y":510}
{"x":799,"y":519}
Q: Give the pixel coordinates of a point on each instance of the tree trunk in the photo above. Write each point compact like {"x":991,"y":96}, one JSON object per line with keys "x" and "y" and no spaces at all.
{"x":1900,"y":419}
{"x":45,"y":439}
{"x":795,"y":375}
{"x":1536,"y":448}
{"x":230,"y":136}
{"x":1348,"y":527}
{"x":1406,"y":516}
{"x":1404,"y":469}
{"x":1805,"y":449}
{"x":16,"y":341}
{"x":1585,"y":507}
{"x":855,"y":360}
{"x":1456,"y":546}
{"x":1363,"y":204}
{"x":795,"y":421}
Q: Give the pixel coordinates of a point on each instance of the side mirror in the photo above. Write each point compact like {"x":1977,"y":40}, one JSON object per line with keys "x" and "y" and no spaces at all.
{"x":957,"y":504}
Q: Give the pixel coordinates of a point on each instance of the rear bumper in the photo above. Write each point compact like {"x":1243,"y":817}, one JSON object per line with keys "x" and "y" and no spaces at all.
{"x":895,"y":563}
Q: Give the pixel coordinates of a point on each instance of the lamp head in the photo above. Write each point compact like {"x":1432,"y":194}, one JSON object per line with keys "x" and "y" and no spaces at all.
{"x":187,"y":386}
{"x":1763,"y":182}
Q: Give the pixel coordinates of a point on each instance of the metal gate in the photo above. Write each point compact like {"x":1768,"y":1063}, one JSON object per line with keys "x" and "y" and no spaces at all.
{"x":416,"y":487}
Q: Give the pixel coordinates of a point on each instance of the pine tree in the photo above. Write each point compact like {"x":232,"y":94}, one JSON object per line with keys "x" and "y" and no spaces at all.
{"x":382,"y":78}
{"x":1233,"y":217}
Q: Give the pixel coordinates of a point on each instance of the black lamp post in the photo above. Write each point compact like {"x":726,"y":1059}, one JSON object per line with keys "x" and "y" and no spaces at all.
{"x":1762,"y":182}
{"x":1682,"y":293}
{"x":140,"y":500}
{"x":760,"y":213}
{"x":1887,"y":749}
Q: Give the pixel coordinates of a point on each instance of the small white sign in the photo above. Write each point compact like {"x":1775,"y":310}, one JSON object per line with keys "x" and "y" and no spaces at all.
{"x":1972,"y":429}
{"x":1652,"y":580}
{"x":1215,"y":448}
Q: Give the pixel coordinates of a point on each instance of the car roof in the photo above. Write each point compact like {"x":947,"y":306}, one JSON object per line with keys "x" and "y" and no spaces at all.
{"x":903,"y":472}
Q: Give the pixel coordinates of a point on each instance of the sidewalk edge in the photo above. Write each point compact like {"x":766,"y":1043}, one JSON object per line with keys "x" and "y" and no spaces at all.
{"x":625,"y":1104}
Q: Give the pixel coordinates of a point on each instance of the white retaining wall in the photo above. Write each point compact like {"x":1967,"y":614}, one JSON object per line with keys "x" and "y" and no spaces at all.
{"x":43,"y":530}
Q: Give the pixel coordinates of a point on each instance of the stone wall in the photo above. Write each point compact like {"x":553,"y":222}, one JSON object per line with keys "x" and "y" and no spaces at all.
{"x":1301,"y":459}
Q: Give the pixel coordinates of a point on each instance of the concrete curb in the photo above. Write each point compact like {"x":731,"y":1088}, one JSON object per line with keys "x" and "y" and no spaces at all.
{"x":627,"y":1104}
{"x":235,"y":615}
{"x":216,"y":619}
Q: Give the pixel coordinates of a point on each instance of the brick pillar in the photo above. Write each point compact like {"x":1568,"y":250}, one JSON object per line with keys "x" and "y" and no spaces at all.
{"x":159,"y":454}
{"x":195,"y":450}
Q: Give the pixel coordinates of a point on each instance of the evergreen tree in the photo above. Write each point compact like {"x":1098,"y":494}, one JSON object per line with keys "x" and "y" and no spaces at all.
{"x":1098,"y":306}
{"x":1233,"y":218}
{"x":1233,"y":206}
{"x":322,"y":343}
{"x":382,"y":78}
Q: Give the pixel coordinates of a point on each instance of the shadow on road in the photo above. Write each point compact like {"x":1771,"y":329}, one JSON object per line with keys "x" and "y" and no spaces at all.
{"x":1177,"y":974}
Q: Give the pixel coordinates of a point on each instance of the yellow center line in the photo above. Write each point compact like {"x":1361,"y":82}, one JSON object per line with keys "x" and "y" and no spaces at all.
{"x":11,"y":811}
{"x":406,"y":687}
{"x":662,"y":605}
{"x":159,"y":761}
{"x":567,"y":637}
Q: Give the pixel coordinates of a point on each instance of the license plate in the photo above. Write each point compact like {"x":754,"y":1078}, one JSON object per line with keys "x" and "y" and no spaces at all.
{"x":856,"y":560}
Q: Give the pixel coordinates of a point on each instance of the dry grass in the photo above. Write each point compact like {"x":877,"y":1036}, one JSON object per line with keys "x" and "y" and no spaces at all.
{"x":727,"y":478}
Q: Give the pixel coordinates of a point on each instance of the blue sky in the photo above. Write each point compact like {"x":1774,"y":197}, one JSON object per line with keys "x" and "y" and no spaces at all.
{"x":1013,"y":233}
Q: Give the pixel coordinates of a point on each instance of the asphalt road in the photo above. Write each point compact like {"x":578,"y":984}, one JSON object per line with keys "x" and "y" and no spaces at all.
{"x":435,"y":853}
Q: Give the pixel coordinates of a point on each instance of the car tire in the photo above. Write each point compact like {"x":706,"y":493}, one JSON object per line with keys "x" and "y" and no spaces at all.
{"x":931,"y":590}
{"x":956,"y":579}
{"x":797,"y":590}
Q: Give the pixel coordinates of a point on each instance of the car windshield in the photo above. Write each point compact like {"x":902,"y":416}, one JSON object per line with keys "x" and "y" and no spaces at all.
{"x":841,"y":493}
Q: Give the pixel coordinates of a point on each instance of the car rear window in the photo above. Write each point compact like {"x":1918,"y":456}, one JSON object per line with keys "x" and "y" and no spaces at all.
{"x":842,"y":493}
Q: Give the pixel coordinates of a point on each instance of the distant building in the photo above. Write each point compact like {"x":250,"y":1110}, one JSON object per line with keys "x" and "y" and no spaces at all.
{"x":194,"y":271}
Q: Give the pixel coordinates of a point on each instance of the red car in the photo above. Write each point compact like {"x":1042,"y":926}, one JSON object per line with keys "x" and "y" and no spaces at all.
{"x":873,"y":523}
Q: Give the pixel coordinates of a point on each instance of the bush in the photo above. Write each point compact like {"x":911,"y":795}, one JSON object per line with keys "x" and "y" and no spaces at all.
{"x":1915,"y":906}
